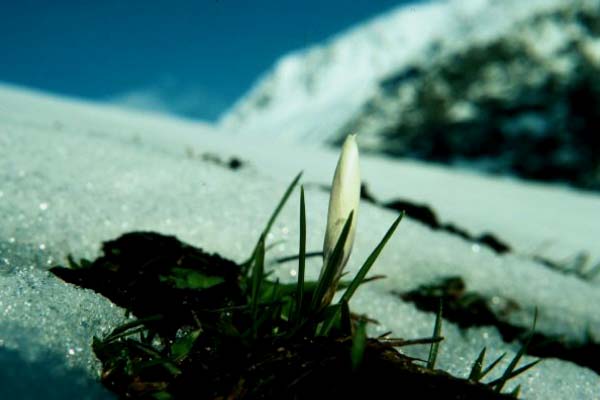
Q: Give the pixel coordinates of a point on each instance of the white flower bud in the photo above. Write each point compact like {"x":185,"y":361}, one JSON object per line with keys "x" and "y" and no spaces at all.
{"x":345,"y":197}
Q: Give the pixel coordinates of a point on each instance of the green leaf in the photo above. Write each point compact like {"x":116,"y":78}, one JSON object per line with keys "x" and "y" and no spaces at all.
{"x":362,"y":272}
{"x":162,"y":395}
{"x":286,"y":195}
{"x":336,"y":316}
{"x":257,"y":276}
{"x":299,"y":300}
{"x":510,"y":372}
{"x":516,"y":392}
{"x":326,"y":280}
{"x":437,"y":330}
{"x":293,"y":257}
{"x":345,"y":319}
{"x":281,"y":203}
{"x":274,"y":299}
{"x":475,"y":374}
{"x":156,"y":357}
{"x":183,"y":278}
{"x":182,"y":346}
{"x":359,"y":344}
{"x":331,"y":319}
{"x":524,"y":368}
{"x":490,"y":367}
{"x":128,"y":328}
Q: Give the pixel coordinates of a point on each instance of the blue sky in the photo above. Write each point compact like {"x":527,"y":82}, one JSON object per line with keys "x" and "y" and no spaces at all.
{"x":194,"y":58}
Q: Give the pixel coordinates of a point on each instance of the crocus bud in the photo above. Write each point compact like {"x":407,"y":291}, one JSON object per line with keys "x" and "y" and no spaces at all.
{"x":345,"y":196}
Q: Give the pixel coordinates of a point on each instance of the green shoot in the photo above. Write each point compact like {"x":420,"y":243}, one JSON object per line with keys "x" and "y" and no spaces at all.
{"x":516,"y":391}
{"x":326,"y":282}
{"x":293,"y":257}
{"x":331,"y":318}
{"x":346,"y":319}
{"x":128,"y":328}
{"x":475,"y":374}
{"x":274,"y":215}
{"x":492,"y":366}
{"x":257,"y":275}
{"x":181,"y":347}
{"x":359,"y":342}
{"x":510,"y":371}
{"x":362,"y":273}
{"x":301,"y":259}
{"x":477,"y":371}
{"x":437,"y":330}
{"x":156,"y":357}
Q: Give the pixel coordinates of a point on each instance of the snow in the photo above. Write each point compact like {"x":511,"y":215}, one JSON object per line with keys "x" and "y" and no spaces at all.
{"x":46,"y":328}
{"x":73,"y":175}
{"x":309,"y":95}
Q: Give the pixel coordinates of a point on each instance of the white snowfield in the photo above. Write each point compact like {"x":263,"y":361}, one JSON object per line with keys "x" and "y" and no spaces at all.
{"x":73,"y":175}
{"x":311,"y":95}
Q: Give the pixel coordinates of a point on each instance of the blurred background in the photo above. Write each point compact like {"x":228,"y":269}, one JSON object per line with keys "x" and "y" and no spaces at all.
{"x":191,"y":58}
{"x":509,"y":88}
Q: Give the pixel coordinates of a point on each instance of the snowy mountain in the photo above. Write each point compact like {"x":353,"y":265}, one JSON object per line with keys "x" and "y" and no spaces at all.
{"x":503,"y":86}
{"x":309,"y":95}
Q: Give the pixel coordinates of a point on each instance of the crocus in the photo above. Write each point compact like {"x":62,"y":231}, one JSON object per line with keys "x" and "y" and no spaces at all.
{"x":345,"y":196}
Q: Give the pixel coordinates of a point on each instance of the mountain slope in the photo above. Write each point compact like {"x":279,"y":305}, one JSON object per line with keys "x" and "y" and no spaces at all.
{"x":309,"y":95}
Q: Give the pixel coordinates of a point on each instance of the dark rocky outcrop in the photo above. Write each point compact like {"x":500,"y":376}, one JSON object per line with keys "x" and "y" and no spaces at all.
{"x":525,"y":103}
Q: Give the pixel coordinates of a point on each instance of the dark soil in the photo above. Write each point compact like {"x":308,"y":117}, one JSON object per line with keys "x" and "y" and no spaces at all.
{"x":468,"y":309}
{"x":424,"y":214}
{"x":193,"y":345}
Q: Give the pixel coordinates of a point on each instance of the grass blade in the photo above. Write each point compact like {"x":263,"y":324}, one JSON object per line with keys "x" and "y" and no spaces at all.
{"x":182,"y":346}
{"x":437,"y":330}
{"x":272,"y":219}
{"x":516,"y":392}
{"x":490,"y":367}
{"x":524,"y":368}
{"x":499,"y":383}
{"x":293,"y":257}
{"x":502,"y":380}
{"x":275,"y":303}
{"x":360,"y":276}
{"x":475,"y":374}
{"x":410,"y":342}
{"x":345,"y":319}
{"x":362,"y":272}
{"x":165,"y":362}
{"x":326,"y":280}
{"x":127,"y":329}
{"x":301,"y":259}
{"x":359,"y":343}
{"x":331,"y":317}
{"x":257,"y":275}
{"x":281,"y":203}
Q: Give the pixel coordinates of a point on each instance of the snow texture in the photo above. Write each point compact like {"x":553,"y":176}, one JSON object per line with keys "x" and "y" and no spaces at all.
{"x":73,"y":175}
